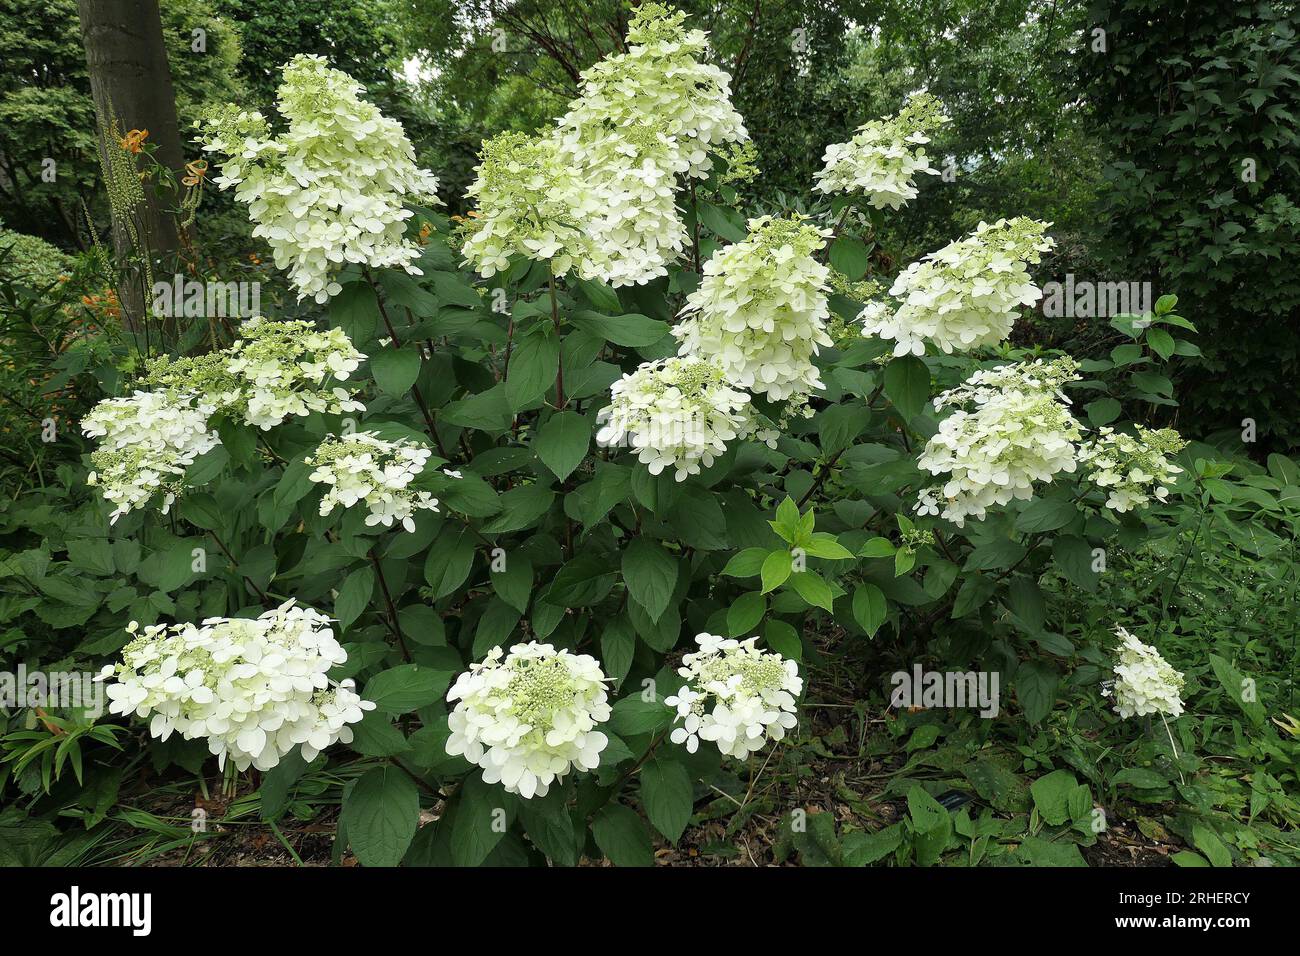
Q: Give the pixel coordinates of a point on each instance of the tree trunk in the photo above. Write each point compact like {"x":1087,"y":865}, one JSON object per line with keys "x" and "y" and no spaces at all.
{"x":131,"y":83}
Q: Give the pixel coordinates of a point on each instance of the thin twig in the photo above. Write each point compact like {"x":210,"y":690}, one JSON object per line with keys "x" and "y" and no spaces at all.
{"x":388,"y":600}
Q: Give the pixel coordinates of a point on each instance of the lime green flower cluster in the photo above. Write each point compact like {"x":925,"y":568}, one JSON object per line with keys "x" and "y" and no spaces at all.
{"x":274,"y":370}
{"x":530,"y":203}
{"x":1132,"y":469}
{"x":761,"y":309}
{"x":884,"y":155}
{"x":329,"y":190}
{"x":1013,"y":429}
{"x":678,"y":412}
{"x":598,"y":193}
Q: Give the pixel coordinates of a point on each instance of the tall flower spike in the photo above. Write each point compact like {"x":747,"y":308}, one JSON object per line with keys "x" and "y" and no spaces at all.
{"x":529,"y":717}
{"x":881,"y":159}
{"x":1017,"y":432}
{"x":530,"y":203}
{"x":643,"y":119}
{"x":329,"y":190}
{"x":761,"y":310}
{"x":966,"y":295}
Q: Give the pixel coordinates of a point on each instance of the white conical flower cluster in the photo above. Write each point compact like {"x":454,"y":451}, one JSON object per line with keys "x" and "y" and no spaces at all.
{"x":253,"y":688}
{"x":1132,"y":469}
{"x":530,"y":716}
{"x":884,"y":155}
{"x":597,"y":194}
{"x":966,"y":295}
{"x":362,"y":467}
{"x":1145,"y":683}
{"x":761,"y":310}
{"x":679,"y":413}
{"x":735,"y":695}
{"x":1018,"y":431}
{"x":331,"y":188}
{"x":643,"y":119}
{"x":751,"y":328}
{"x":148,"y":440}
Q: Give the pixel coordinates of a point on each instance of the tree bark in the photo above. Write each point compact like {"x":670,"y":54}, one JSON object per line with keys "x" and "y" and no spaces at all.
{"x":131,"y":82}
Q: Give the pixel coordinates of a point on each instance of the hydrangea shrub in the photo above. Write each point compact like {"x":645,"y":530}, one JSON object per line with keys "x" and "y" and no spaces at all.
{"x":552,"y":495}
